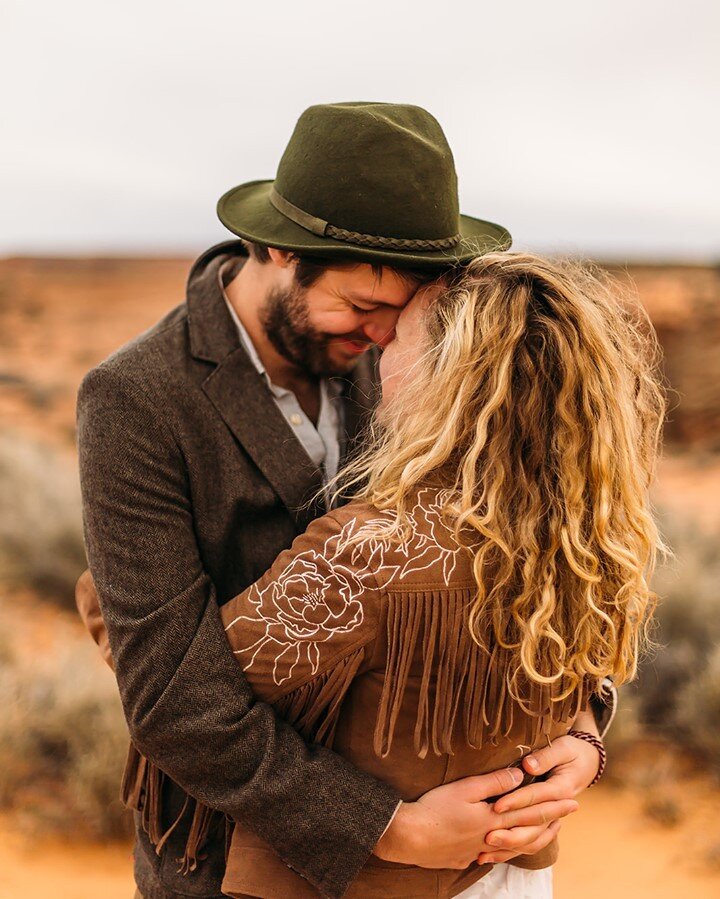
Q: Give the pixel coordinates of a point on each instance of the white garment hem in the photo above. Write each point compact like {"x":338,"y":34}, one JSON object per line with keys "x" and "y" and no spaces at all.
{"x":509,"y":882}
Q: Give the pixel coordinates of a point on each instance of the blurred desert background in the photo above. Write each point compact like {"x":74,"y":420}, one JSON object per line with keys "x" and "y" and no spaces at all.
{"x":584,"y":128}
{"x":650,"y":829}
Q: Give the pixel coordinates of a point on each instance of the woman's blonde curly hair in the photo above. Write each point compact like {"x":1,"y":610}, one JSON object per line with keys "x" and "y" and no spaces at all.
{"x":537,"y":400}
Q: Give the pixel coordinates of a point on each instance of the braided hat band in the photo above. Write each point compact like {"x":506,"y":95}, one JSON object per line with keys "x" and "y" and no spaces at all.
{"x":325,"y":229}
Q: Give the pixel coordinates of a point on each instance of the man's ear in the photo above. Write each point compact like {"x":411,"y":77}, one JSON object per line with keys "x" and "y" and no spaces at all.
{"x":281,"y":258}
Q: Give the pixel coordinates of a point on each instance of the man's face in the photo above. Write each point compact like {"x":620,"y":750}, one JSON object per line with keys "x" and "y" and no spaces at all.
{"x":326,"y":327}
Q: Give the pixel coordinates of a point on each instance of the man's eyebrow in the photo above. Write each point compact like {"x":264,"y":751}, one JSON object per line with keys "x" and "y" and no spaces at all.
{"x":374,"y":301}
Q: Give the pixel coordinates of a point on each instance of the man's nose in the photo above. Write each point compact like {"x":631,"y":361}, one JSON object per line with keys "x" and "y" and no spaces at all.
{"x":385,"y":338}
{"x":381,"y":330}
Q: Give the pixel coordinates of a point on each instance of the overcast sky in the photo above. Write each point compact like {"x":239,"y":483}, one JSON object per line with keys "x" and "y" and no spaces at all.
{"x":588,"y":127}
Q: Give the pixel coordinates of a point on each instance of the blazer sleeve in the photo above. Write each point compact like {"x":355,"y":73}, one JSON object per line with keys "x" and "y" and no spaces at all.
{"x":188,"y":705}
{"x":305,"y":630}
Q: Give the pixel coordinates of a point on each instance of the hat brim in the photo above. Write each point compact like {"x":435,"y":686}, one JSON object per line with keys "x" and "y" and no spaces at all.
{"x":246,"y":211}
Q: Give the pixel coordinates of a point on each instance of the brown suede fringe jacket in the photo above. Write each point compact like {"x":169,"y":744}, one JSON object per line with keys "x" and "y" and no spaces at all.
{"x":362,"y":644}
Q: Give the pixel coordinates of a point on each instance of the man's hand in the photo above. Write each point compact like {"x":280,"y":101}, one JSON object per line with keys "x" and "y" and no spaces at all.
{"x":446,"y":827}
{"x":574,"y":764}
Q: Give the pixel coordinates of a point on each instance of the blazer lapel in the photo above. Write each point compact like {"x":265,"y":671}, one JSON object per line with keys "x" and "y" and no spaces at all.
{"x":242,"y":397}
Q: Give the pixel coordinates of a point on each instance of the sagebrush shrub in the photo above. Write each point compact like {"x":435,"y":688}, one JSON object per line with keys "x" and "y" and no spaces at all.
{"x":41,"y":542}
{"x":63,"y":742}
{"x":677,"y":691}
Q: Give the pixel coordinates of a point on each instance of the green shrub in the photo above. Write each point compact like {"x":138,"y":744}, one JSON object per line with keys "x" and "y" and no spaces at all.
{"x":699,"y":709}
{"x":63,"y":742}
{"x":677,"y":693}
{"x":41,"y":542}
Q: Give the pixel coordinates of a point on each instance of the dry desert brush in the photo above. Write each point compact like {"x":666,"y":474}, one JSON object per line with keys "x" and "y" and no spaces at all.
{"x":41,"y":544}
{"x":63,"y":743}
{"x":677,"y":693}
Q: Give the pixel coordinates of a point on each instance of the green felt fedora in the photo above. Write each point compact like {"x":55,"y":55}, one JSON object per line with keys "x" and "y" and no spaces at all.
{"x":374,"y":182}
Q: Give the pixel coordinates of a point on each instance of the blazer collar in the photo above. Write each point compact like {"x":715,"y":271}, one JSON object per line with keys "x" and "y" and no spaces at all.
{"x":212,"y":331}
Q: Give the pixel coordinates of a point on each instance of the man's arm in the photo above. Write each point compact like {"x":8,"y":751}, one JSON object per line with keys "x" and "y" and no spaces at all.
{"x":200,"y":722}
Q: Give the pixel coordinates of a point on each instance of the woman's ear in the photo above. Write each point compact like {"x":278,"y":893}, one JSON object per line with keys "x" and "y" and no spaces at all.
{"x":281,"y":258}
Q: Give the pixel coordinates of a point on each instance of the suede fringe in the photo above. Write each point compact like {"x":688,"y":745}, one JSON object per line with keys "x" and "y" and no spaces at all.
{"x":141,"y":791}
{"x":461,"y":684}
{"x":314,"y":708}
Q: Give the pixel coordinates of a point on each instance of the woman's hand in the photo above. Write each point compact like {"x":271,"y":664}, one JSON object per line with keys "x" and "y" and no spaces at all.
{"x":446,"y":828}
{"x":573,"y":763}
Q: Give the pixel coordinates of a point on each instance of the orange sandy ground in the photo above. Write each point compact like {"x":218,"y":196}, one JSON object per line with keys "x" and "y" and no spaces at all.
{"x":609,"y":848}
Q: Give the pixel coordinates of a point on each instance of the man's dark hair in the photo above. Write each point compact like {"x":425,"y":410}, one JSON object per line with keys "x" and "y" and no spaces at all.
{"x":310,"y":268}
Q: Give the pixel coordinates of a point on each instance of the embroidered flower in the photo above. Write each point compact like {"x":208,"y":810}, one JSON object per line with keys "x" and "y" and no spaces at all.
{"x":434,"y":539}
{"x":430,"y":542}
{"x":317,"y":595}
{"x":311,"y":600}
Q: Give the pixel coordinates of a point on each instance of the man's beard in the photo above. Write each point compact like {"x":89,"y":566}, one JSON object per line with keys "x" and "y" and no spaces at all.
{"x":286,"y":319}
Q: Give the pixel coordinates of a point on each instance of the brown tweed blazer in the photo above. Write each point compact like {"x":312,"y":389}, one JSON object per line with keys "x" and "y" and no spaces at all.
{"x":192,"y":484}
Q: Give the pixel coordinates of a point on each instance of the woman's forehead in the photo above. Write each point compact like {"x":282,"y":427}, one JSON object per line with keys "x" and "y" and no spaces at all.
{"x":412,"y":314}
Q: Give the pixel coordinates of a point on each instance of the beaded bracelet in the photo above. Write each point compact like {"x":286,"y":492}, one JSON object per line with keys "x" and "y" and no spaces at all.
{"x":598,"y":744}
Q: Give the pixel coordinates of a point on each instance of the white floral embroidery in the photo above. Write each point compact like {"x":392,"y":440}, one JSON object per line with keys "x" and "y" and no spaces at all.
{"x":430,"y":541}
{"x":318,"y":595}
{"x":308,"y":603}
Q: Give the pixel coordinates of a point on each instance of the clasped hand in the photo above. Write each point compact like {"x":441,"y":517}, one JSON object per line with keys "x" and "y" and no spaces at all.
{"x":453,"y":826}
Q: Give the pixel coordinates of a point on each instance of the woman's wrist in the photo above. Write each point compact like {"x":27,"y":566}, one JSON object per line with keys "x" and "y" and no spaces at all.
{"x":593,"y":740}
{"x":585,"y":721}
